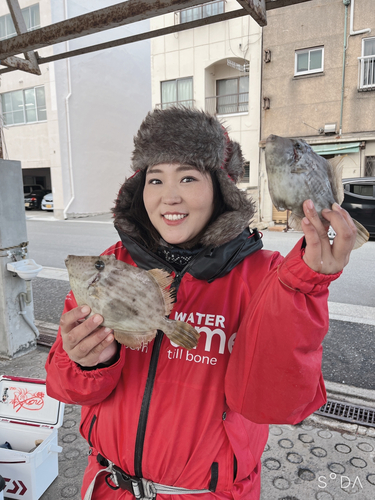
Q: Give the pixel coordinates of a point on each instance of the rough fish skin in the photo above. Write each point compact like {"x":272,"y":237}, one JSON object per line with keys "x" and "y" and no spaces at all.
{"x":132,"y":301}
{"x":296,"y":173}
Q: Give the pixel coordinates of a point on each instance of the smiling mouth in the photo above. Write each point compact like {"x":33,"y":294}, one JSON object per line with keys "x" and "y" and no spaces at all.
{"x":174,"y":216}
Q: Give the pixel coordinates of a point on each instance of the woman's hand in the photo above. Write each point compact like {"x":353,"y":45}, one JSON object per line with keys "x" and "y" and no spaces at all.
{"x":320,"y":255}
{"x":84,"y":341}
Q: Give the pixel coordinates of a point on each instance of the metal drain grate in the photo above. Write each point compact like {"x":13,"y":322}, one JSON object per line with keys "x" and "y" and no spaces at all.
{"x":348,"y":413}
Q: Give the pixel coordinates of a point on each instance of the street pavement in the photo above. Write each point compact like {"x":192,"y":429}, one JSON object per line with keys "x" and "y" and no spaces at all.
{"x":319,"y":459}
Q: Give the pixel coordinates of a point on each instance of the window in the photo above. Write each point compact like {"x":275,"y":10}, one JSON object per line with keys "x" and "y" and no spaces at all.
{"x":367,"y":65}
{"x":177,"y":92}
{"x":24,"y":106}
{"x":32,"y":20}
{"x":246,"y":175}
{"x":201,"y":11}
{"x":309,"y":61}
{"x":362,"y":190}
{"x":232,"y":95}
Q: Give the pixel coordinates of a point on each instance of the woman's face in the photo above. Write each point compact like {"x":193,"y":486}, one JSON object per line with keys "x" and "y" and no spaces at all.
{"x":179,"y":201}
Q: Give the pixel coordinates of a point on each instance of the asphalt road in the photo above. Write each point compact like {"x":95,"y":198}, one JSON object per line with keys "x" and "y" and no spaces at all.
{"x":349,"y":348}
{"x":51,"y":241}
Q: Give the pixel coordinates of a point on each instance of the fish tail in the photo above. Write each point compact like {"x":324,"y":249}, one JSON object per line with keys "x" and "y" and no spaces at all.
{"x":181,"y":333}
{"x":362,"y":235}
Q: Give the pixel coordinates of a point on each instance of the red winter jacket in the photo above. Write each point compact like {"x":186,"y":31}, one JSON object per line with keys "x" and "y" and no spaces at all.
{"x":199,"y":419}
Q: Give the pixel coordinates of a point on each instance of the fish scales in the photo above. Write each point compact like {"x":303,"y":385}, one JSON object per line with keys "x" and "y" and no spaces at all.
{"x":132,"y":301}
{"x":296,"y":173}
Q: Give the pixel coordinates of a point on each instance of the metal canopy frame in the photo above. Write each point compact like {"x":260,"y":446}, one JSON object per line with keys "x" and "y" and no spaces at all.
{"x":107,"y":18}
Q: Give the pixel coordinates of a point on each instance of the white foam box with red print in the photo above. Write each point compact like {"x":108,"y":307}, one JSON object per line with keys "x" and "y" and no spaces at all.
{"x":27,"y":417}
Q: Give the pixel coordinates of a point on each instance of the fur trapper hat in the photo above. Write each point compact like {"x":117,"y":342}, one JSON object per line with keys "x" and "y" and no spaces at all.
{"x":192,"y":137}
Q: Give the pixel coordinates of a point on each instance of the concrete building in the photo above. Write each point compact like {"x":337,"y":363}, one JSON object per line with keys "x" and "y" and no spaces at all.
{"x":216,"y":68}
{"x":72,"y":127}
{"x":318,"y":83}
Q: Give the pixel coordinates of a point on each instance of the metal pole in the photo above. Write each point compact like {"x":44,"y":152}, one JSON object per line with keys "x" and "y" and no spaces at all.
{"x":346,"y":3}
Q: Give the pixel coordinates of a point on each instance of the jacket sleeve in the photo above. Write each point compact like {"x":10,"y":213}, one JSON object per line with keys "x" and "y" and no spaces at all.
{"x":274,"y":372}
{"x":68,"y":383}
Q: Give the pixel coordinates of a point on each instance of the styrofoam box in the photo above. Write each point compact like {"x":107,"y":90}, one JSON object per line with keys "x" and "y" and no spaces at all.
{"x":27,"y":414}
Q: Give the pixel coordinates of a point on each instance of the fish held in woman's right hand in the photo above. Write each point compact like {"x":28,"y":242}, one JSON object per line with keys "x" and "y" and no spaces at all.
{"x":133,"y":302}
{"x":296,"y":173}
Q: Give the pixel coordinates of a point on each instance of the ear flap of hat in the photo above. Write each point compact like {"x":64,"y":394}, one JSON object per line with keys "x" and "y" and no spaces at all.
{"x":124,"y":201}
{"x":232,"y":222}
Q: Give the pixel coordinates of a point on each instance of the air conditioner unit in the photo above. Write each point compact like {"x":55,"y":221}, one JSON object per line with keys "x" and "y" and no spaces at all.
{"x":330,"y":128}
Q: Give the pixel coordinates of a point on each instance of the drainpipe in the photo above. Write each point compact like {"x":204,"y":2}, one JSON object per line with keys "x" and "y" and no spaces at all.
{"x":346,"y":3}
{"x":67,"y":115}
{"x":352,"y":32}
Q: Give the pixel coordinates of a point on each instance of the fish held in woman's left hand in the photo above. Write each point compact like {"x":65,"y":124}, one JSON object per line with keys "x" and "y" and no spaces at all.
{"x":296,"y":173}
{"x":132,"y":301}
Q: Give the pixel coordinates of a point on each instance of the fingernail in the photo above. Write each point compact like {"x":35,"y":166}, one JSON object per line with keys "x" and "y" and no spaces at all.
{"x":310,"y":204}
{"x":110,"y":338}
{"x":306,"y":220}
{"x":107,"y":330}
{"x":97,"y":319}
{"x":337,"y":206}
{"x":85,"y":310}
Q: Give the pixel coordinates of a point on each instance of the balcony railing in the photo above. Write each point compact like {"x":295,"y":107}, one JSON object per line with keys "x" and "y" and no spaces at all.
{"x":366,"y":73}
{"x":189,"y":103}
{"x":228,"y":104}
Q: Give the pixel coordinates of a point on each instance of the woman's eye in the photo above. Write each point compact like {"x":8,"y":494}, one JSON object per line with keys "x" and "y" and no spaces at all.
{"x":188,"y":179}
{"x":154,"y":181}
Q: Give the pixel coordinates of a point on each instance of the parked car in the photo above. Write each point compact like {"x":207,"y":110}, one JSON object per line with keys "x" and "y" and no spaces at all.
{"x":47,"y":202}
{"x":29,"y":188}
{"x":33,"y":194}
{"x":359,"y":201}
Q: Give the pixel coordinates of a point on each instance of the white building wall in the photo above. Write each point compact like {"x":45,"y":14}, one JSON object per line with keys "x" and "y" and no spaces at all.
{"x":102,"y":98}
{"x":95,"y":104}
{"x":202,"y":53}
{"x":32,"y":143}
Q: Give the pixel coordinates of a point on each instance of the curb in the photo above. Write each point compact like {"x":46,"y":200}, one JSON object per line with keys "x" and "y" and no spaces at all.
{"x":350,"y":394}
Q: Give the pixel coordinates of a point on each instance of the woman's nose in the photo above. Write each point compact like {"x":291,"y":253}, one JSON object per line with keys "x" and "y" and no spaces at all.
{"x":170,"y":195}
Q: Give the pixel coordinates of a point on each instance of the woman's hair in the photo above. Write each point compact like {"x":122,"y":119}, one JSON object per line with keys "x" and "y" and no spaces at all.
{"x":150,"y":237}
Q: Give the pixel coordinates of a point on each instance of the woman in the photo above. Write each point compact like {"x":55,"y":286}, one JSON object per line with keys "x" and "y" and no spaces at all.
{"x":193,"y":424}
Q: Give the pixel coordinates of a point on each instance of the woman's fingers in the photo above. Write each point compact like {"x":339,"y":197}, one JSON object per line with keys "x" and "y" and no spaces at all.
{"x":320,"y":255}
{"x":84,"y":341}
{"x":317,"y":241}
{"x":346,"y":233}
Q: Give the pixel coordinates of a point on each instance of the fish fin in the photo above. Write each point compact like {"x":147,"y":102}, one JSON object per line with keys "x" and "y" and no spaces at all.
{"x":181,"y":333}
{"x":134,"y":341}
{"x":362,"y":235}
{"x":164,"y":280}
{"x":335,"y":177}
{"x":294,"y":221}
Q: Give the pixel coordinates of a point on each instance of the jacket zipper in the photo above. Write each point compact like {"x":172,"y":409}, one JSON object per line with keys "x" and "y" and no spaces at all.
{"x":142,"y":423}
{"x":146,"y":400}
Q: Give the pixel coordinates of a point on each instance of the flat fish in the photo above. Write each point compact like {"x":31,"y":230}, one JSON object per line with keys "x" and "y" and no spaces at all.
{"x":133,"y":302}
{"x":296,"y":173}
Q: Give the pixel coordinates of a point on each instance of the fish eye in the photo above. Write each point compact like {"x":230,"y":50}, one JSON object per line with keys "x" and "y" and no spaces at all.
{"x":99,"y":264}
